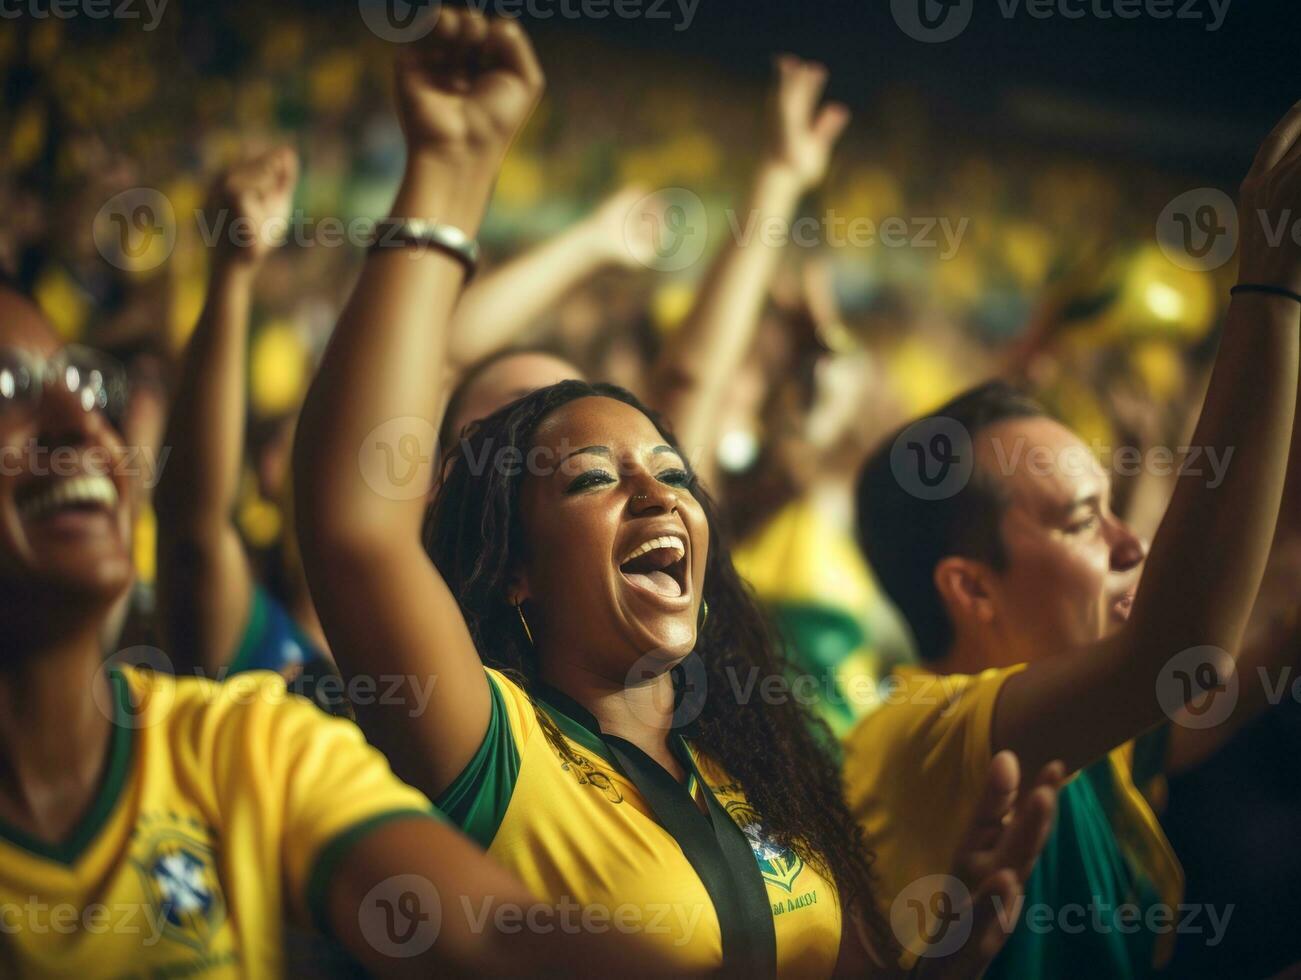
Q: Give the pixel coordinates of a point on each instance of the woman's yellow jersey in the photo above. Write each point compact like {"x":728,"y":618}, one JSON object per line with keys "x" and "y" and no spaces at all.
{"x":583,"y":838}
{"x":222,"y":809}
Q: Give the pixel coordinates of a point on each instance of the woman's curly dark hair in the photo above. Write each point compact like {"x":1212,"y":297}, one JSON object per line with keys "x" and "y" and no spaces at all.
{"x":776,"y":751}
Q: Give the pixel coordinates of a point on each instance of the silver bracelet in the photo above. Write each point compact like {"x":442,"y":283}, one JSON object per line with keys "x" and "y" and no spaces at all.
{"x":406,"y":232}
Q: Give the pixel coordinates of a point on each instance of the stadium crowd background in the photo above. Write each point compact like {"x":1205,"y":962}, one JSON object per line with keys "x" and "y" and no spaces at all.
{"x":1057,"y":277}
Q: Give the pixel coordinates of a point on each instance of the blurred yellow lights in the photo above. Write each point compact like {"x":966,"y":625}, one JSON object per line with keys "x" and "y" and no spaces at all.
{"x":278,"y":370}
{"x":520,"y":183}
{"x":260,"y":520}
{"x":670,"y":305}
{"x":1161,"y":298}
{"x":1165,"y":301}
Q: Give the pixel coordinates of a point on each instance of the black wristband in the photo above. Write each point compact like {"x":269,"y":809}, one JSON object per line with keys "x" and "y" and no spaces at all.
{"x":1267,"y":290}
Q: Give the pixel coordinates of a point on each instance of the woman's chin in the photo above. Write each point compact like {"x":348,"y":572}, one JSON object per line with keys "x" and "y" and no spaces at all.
{"x":664,"y":645}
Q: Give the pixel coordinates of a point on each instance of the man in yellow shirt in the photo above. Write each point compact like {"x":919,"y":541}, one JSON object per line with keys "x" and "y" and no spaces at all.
{"x":990,"y":526}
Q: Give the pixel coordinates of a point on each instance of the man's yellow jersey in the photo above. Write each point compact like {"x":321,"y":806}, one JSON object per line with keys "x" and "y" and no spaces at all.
{"x":223,"y":809}
{"x":915,"y":769}
{"x":583,"y":837}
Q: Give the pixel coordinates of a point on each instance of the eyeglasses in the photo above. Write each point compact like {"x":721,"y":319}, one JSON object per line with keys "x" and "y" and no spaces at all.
{"x":95,"y":380}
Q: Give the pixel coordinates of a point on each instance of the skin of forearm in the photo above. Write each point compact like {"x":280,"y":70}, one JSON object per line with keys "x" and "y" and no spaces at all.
{"x":1264,"y":668}
{"x":387,"y":358}
{"x":206,"y":429}
{"x":496,"y":309}
{"x":719,"y":330}
{"x":1208,"y":560}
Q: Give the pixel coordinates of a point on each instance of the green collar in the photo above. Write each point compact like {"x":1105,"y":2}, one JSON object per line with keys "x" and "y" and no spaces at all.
{"x":115,"y":776}
{"x":579,"y":725}
{"x":574,"y":721}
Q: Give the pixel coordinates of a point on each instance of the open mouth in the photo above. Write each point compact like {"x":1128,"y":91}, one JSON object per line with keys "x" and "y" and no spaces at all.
{"x":81,"y":494}
{"x":659,"y":566}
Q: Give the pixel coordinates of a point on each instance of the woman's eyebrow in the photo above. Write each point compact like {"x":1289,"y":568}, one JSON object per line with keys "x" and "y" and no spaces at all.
{"x":658,"y":450}
{"x":592,"y":450}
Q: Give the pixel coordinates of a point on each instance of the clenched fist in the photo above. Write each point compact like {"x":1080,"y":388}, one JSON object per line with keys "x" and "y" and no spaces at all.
{"x":467,"y":87}
{"x":248,"y":206}
{"x":1271,"y":194}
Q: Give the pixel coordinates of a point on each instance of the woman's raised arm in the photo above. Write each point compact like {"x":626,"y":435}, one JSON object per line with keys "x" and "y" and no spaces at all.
{"x":365,"y":451}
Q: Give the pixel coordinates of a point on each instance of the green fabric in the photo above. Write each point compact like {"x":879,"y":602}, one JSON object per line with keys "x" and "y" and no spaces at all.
{"x":254,"y":631}
{"x":117,"y":769}
{"x":1150,"y":755}
{"x":332,"y":855}
{"x":818,"y":639}
{"x":1081,"y":867}
{"x":477,"y":800}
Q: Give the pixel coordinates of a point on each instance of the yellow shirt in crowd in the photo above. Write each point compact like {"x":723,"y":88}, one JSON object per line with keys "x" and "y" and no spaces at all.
{"x":222,"y":813}
{"x":584,"y":839}
{"x":915,"y":768}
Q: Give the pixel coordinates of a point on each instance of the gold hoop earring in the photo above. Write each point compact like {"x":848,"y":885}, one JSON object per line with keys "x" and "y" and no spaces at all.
{"x":524,"y":622}
{"x":704,"y":615}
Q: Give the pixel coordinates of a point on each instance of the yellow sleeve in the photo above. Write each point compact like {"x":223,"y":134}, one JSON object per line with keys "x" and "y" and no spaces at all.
{"x":318,"y":783}
{"x":520,"y":712}
{"x":915,"y":767}
{"x":940,"y":728}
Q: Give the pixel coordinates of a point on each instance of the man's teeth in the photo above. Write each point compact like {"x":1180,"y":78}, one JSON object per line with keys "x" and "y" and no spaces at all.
{"x":667,"y":541}
{"x":68,"y":493}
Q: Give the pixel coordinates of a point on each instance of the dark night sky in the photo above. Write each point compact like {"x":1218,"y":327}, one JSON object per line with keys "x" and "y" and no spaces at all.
{"x":1170,"y":91}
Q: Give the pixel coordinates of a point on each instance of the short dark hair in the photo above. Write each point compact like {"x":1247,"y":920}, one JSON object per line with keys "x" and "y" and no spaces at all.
{"x":472,"y":372}
{"x":905,"y":536}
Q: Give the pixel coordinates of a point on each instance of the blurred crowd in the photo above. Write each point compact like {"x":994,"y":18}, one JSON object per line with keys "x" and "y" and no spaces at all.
{"x":1023,"y":262}
{"x":1011,"y":259}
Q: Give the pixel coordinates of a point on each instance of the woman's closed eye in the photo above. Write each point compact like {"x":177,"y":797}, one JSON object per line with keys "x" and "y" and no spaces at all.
{"x":674,"y":477}
{"x":590,"y":479}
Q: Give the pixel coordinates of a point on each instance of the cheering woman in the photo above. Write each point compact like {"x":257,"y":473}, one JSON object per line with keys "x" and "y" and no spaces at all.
{"x":624,"y":749}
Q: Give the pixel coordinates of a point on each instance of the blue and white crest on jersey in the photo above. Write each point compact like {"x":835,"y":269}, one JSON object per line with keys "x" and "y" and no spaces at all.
{"x":778,"y":863}
{"x":180,"y":877}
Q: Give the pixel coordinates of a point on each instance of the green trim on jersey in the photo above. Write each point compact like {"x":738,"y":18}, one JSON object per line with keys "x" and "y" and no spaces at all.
{"x":477,"y":799}
{"x":251,"y":638}
{"x":1150,"y":753}
{"x":122,"y":738}
{"x":576,"y":731}
{"x":332,"y":854}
